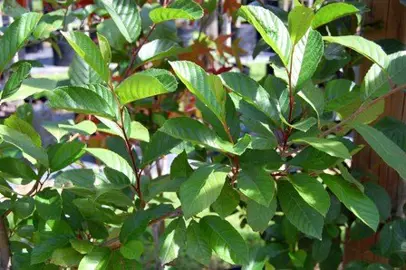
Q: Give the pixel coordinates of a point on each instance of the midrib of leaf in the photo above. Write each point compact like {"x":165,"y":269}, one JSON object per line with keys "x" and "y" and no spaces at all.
{"x":219,"y":234}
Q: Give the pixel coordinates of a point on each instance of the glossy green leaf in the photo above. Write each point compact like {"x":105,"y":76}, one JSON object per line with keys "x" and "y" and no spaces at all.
{"x":178,"y":9}
{"x":132,"y":250}
{"x":207,"y":88}
{"x":225,"y":240}
{"x":314,"y":96}
{"x":81,"y":100}
{"x":88,"y":51}
{"x":81,"y":246}
{"x":256,"y":184}
{"x":15,"y":80}
{"x":394,"y":129}
{"x":299,"y":20}
{"x":193,"y":131}
{"x":17,"y":168}
{"x":160,"y":144}
{"x":202,"y":189}
{"x":24,"y":143}
{"x":227,"y":201}
{"x":64,"y":154}
{"x":43,"y":251}
{"x":113,"y":160}
{"x":97,"y":259}
{"x":381,"y":199}
{"x":259,"y":216}
{"x":158,"y":49}
{"x":332,"y":12}
{"x":173,"y":239}
{"x":134,"y":226}
{"x":367,"y":48}
{"x":299,"y":212}
{"x":271,"y":28}
{"x":302,"y":125}
{"x":377,"y":82}
{"x":29,"y":87}
{"x":23,"y":127}
{"x":110,"y":30}
{"x":145,"y":84}
{"x":49,"y":23}
{"x":15,"y":36}
{"x":197,"y":246}
{"x":389,"y":151}
{"x":125,"y":15}
{"x":48,"y":204}
{"x":23,"y":207}
{"x":306,"y":57}
{"x":331,"y":147}
{"x":66,"y":257}
{"x":251,"y":91}
{"x":311,"y":191}
{"x":353,"y":199}
{"x":81,"y":73}
{"x":104,"y":48}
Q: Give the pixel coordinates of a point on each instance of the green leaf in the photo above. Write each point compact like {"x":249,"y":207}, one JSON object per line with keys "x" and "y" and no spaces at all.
{"x":207,"y":88}
{"x":367,"y":48}
{"x":225,"y":240}
{"x":321,"y":249}
{"x":134,"y":226}
{"x":104,"y":48}
{"x":311,"y":191}
{"x":24,"y":143}
{"x":157,"y":49}
{"x":332,"y":12}
{"x":271,"y":28}
{"x":113,"y":160}
{"x":81,"y":73}
{"x":384,"y":147}
{"x":173,"y":239}
{"x":76,"y":177}
{"x":353,"y":199}
{"x":23,"y":127}
{"x":376,"y":81}
{"x":110,"y":30}
{"x":23,"y":207}
{"x":49,"y":23}
{"x":303,"y":125}
{"x":197,"y":246}
{"x":132,"y":250}
{"x":81,"y":246}
{"x":66,"y":257}
{"x":88,"y":51}
{"x":227,"y":201}
{"x":178,"y":9}
{"x":81,"y":100}
{"x":202,"y":189}
{"x":125,"y":15}
{"x":17,"y":168}
{"x":145,"y":84}
{"x":251,"y":91}
{"x":95,"y":211}
{"x":299,"y":212}
{"x":64,"y":154}
{"x":306,"y":57}
{"x":15,"y":36}
{"x":300,"y":19}
{"x":331,"y":147}
{"x":29,"y":87}
{"x":394,"y":129}
{"x":97,"y":259}
{"x":15,"y":80}
{"x":314,"y":96}
{"x":191,"y":130}
{"x":48,"y":203}
{"x":259,"y":216}
{"x":298,"y":258}
{"x":43,"y":251}
{"x":256,"y":184}
{"x":180,"y":167}
{"x":159,"y":145}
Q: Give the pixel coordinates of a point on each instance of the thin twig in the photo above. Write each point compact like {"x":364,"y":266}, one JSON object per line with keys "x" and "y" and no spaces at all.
{"x":135,"y":53}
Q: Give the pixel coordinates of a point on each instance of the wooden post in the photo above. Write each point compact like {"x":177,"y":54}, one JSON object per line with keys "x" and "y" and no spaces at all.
{"x":392,"y":14}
